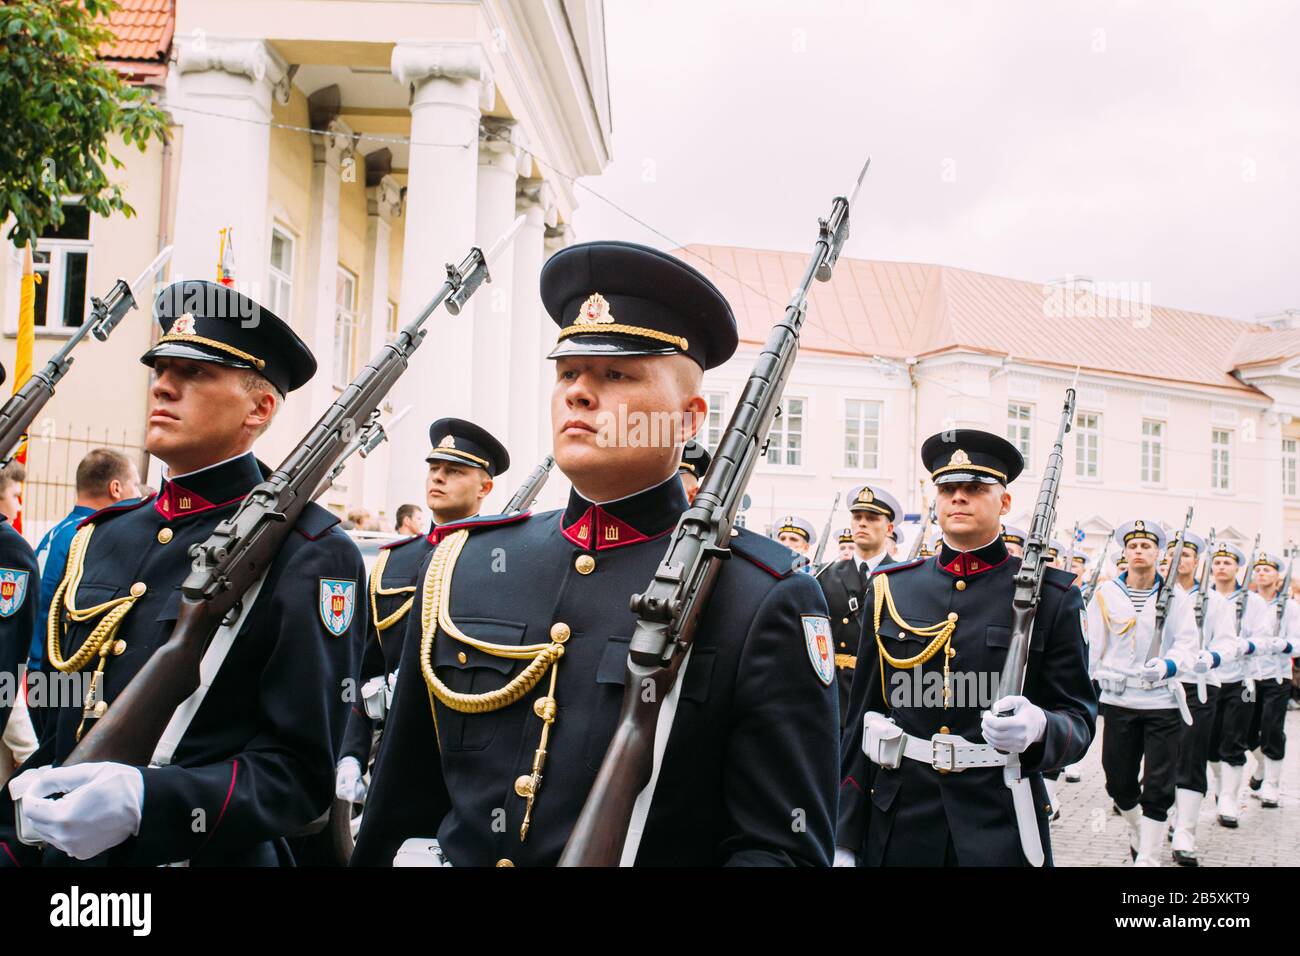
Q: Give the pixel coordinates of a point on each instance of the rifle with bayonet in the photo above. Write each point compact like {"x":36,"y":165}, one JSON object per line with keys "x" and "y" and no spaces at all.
{"x":1024,"y":607}
{"x":1199,"y":608}
{"x":670,"y":608}
{"x":23,"y":406}
{"x":527,"y":493}
{"x":1284,"y":594}
{"x":919,"y":543}
{"x":1247,"y":682}
{"x":1091,"y":589}
{"x":239,"y":551}
{"x":1163,"y":598}
{"x":367,"y":439}
{"x":817,"y":565}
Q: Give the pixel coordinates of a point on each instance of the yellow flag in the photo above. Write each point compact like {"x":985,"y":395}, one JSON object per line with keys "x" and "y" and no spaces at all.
{"x":26,"y":344}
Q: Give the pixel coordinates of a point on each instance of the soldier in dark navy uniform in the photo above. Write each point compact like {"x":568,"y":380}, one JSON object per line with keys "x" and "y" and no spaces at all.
{"x":935,"y":637}
{"x":873,"y":511}
{"x":249,"y":760}
{"x":846,"y":544}
{"x":20,"y":594}
{"x":464,"y":461}
{"x":513,"y":665}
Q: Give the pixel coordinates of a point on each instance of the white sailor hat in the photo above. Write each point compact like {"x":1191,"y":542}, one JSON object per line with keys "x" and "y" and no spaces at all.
{"x":1140,"y":529}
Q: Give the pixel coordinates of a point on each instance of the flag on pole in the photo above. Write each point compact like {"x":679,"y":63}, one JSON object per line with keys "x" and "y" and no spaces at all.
{"x":26,"y":344}
{"x":226,"y":256}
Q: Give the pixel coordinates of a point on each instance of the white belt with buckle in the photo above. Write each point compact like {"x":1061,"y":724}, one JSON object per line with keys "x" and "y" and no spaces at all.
{"x":886,"y":744}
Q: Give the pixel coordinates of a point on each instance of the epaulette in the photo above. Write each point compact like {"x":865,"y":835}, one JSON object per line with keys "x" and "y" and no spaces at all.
{"x":902,"y":566}
{"x":120,"y":508}
{"x":772,"y":556}
{"x":476,"y":523}
{"x":1063,"y":580}
{"x":315,"y":521}
{"x":398,"y":544}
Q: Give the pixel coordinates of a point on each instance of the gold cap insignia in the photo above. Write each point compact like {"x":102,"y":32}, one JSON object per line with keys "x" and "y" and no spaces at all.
{"x":959,"y":457}
{"x":1139,"y":525}
{"x":595,"y":311}
{"x":865,"y":496}
{"x":447,"y":442}
{"x":184,"y":325}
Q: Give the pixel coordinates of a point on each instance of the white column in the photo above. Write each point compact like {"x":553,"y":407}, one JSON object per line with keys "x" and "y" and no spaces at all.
{"x":220,"y":94}
{"x":498,"y":161}
{"x":320,"y":297}
{"x":1269,"y":450}
{"x":367,"y":478}
{"x":530,"y":328}
{"x":450,"y":87}
{"x":556,"y":492}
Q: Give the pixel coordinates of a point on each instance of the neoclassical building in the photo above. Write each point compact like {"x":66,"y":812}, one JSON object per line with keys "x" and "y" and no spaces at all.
{"x":348,"y":149}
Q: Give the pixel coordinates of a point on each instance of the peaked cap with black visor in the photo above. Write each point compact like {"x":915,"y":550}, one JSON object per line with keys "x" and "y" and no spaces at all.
{"x":968,"y":454}
{"x":462,"y":442}
{"x":209,"y":322}
{"x":620,"y":298}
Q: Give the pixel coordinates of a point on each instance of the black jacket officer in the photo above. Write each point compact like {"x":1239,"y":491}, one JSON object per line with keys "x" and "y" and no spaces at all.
{"x":392,"y":582}
{"x":874,"y":511}
{"x":249,"y":760}
{"x":512,"y":670}
{"x":935,"y":637}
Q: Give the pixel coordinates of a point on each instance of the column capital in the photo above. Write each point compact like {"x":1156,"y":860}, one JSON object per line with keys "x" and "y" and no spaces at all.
{"x":333,"y":145}
{"x":199,"y":53}
{"x":500,"y":143}
{"x":384,"y":199}
{"x":416,"y":63}
{"x":536,"y":196}
{"x":558,"y":236}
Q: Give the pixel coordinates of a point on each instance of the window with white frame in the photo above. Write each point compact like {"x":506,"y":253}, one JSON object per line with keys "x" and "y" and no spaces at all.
{"x":1220,"y":459}
{"x":61,"y":260}
{"x":345,"y":325}
{"x":861,"y":434}
{"x":1020,"y":425}
{"x":1290,"y":463}
{"x":1153,"y":451}
{"x":280,"y":292}
{"x":1087,"y":445}
{"x":785,"y":440}
{"x":715,"y":421}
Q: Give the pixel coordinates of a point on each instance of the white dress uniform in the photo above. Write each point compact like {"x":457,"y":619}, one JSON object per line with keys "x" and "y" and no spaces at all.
{"x":1272,"y":661}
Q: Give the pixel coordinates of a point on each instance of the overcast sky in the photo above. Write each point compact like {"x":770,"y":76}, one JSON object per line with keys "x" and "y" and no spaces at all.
{"x":1155,"y":142}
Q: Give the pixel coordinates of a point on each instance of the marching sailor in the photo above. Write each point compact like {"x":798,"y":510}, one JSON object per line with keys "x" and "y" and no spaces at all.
{"x":922,"y":770}
{"x":1273,"y":666}
{"x":846,"y":544}
{"x":1015,"y":540}
{"x":1140,"y":697}
{"x":798,"y":535}
{"x":693,"y":467}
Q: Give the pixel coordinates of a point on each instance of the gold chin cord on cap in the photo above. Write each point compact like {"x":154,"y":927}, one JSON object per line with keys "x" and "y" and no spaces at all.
{"x":103,"y":638}
{"x":434,"y":614}
{"x":940,"y":633}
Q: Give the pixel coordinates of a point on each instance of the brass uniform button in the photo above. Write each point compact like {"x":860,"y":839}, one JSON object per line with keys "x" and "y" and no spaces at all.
{"x":585,"y":564}
{"x":138,"y":589}
{"x":524,"y":786}
{"x":559,"y":632}
{"x":845,"y":621}
{"x":540,"y":705}
{"x":119,"y":647}
{"x":944,"y":730}
{"x":842,"y":644}
{"x":952,"y":615}
{"x":504,"y":863}
{"x":462,"y":658}
{"x":101,"y":708}
{"x":961,"y":585}
{"x":164,"y":535}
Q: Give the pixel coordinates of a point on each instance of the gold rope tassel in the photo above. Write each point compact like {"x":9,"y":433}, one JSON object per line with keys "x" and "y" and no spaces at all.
{"x":940,"y":634}
{"x":376,"y":579}
{"x":102,"y":639}
{"x":435,"y":600}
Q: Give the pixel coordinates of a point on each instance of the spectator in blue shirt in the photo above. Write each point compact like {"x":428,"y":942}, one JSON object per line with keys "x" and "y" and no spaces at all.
{"x":104,"y":477}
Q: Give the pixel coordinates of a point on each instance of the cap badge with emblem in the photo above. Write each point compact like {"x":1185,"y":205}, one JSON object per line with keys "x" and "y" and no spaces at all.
{"x":184,"y":325}
{"x":865,"y":496}
{"x":1139,"y":525}
{"x":595,"y":311}
{"x":959,"y":457}
{"x":447,"y":442}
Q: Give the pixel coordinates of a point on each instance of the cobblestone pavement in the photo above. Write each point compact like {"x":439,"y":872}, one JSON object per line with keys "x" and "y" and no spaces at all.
{"x":1089,"y":834}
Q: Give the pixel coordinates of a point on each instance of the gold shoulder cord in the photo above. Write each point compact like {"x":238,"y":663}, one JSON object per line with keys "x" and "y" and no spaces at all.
{"x":434,"y":614}
{"x":376,"y":580}
{"x":1108,"y":627}
{"x":102,"y":640}
{"x":940,"y":633}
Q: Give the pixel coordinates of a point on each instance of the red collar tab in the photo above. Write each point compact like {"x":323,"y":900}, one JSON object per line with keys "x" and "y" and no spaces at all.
{"x":598,"y":530}
{"x":177,"y":502}
{"x":477,"y":521}
{"x":968,"y":563}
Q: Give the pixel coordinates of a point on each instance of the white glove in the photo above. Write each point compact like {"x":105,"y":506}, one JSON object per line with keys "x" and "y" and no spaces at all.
{"x":1156,"y":669}
{"x":348,"y":784}
{"x":101,"y":806}
{"x":845,"y":857}
{"x":1204,"y":662}
{"x":1019,"y":730}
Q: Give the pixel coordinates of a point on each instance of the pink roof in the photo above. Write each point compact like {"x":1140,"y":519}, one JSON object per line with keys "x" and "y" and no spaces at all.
{"x":143,"y":31}
{"x":901,"y":309}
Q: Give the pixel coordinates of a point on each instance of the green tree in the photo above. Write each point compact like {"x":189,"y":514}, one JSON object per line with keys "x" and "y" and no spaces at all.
{"x":59,"y":106}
